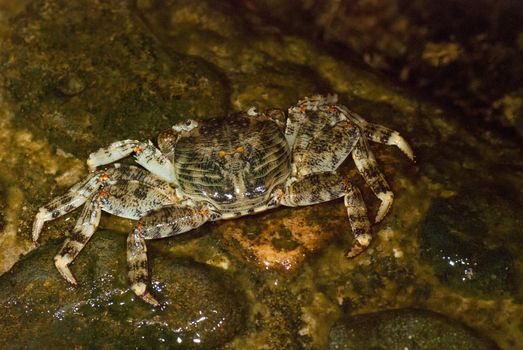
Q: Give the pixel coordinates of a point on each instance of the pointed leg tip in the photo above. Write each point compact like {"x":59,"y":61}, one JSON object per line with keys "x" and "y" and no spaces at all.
{"x":408,"y":152}
{"x":64,"y":270}
{"x":355,"y":250}
{"x":35,"y":237}
{"x":38,"y":224}
{"x":68,"y":276}
{"x":360,"y":244}
{"x":149,"y":299}
{"x":386,"y":203}
{"x":402,"y":144}
{"x":379,"y":217}
{"x":74,"y":284}
{"x":140,"y":290}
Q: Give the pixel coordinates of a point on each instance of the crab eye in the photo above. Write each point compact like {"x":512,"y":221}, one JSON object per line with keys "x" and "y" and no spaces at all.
{"x":188,"y":122}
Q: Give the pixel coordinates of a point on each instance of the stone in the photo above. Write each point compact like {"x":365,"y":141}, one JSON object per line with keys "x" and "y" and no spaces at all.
{"x":200,"y":307}
{"x":80,"y":74}
{"x":402,"y":329}
{"x":3,"y":201}
{"x":470,"y":59}
{"x":282,"y":239}
{"x":450,"y":242}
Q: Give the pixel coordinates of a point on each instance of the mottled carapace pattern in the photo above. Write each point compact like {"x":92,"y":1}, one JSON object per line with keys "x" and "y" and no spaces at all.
{"x":234,"y":164}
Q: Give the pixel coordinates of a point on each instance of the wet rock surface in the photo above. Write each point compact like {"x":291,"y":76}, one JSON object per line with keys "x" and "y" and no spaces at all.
{"x":77,"y":75}
{"x":466,"y":53}
{"x":3,"y":199}
{"x":283,"y":239}
{"x":474,"y":270}
{"x":450,"y":243}
{"x":81,"y":72}
{"x":200,"y":307}
{"x":405,"y":329}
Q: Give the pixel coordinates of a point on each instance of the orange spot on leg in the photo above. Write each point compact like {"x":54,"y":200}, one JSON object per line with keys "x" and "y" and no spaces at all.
{"x":347,"y":125}
{"x":104,"y":177}
{"x":205,"y":212}
{"x":102,"y":196}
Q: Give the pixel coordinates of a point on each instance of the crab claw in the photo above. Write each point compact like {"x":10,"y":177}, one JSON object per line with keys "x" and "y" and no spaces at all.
{"x":397,"y":140}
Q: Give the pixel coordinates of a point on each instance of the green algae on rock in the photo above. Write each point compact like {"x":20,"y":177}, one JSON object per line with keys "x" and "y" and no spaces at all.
{"x":405,"y":329}
{"x":200,"y":308}
{"x":80,"y":73}
{"x":254,"y":64}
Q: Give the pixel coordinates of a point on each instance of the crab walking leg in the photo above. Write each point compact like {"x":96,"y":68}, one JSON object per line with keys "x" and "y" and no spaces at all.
{"x":313,"y":189}
{"x":72,"y":199}
{"x":368,"y":168}
{"x":82,"y":232}
{"x":381,"y":134}
{"x":138,"y":270}
{"x":359,"y":221}
{"x":323,"y":187}
{"x":378,"y":133}
{"x":164,"y":222}
{"x":145,"y":154}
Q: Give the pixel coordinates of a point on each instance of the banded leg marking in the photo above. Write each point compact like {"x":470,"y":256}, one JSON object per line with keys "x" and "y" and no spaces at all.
{"x":80,"y":235}
{"x":317,"y":188}
{"x":72,"y":199}
{"x":314,"y":189}
{"x":145,"y":154}
{"x":115,"y":151}
{"x":164,"y":222}
{"x":368,"y":168}
{"x":138,"y":268}
{"x":358,"y":219}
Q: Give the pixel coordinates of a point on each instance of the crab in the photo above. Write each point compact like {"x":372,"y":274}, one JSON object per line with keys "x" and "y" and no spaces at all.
{"x":224,"y":168}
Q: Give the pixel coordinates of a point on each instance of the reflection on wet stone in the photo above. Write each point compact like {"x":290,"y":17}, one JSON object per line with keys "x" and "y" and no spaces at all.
{"x":405,"y":329}
{"x":201,"y":310}
{"x":450,"y":243}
